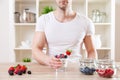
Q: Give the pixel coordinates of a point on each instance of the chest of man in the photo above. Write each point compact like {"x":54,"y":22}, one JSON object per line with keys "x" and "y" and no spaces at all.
{"x":68,"y":32}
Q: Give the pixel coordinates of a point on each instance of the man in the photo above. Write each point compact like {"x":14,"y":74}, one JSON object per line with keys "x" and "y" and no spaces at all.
{"x":60,"y":30}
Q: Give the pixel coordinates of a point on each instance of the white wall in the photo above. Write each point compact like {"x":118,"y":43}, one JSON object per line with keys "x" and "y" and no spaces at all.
{"x":4,"y":31}
{"x":117,"y":31}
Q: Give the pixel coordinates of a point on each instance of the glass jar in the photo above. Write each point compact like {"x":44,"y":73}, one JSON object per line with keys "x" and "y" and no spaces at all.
{"x":28,"y":16}
{"x":64,"y":65}
{"x":87,"y":66}
{"x":96,"y":16}
{"x":17,"y":17}
{"x":105,"y":68}
{"x":24,"y":16}
{"x":102,"y":17}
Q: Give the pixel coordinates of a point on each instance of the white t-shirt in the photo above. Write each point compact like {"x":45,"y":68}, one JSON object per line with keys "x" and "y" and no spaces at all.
{"x":62,"y":36}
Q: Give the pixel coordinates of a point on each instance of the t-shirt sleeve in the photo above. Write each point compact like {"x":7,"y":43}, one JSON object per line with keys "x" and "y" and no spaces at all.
{"x":40,"y":24}
{"x":90,"y":27}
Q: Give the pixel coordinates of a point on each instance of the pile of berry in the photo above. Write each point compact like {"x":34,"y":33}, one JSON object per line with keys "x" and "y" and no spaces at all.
{"x":19,"y":69}
{"x":67,"y":53}
{"x":61,"y":56}
{"x":87,"y":70}
{"x":108,"y":73}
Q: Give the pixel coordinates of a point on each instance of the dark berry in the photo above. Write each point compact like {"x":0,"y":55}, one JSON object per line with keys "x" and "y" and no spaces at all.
{"x":93,"y":69}
{"x":82,"y":70}
{"x":29,"y":72}
{"x":24,"y":71}
{"x":19,"y":72}
{"x":61,"y":55}
{"x":87,"y":70}
{"x":65,"y":56}
{"x":11,"y":72}
{"x":57,"y":56}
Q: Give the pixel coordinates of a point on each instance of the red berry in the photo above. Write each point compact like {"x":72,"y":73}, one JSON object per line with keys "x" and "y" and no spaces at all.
{"x":68,"y":52}
{"x":18,"y":66}
{"x":101,"y":72}
{"x":108,"y":73}
{"x":16,"y":70}
{"x":20,"y":72}
{"x":23,"y":68}
{"x":105,"y":73}
{"x":11,"y":69}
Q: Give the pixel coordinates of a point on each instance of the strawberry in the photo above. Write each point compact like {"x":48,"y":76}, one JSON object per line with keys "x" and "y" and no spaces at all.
{"x":23,"y":68}
{"x":68,"y":52}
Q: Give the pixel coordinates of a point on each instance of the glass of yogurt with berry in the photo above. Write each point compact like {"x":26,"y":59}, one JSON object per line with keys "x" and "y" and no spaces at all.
{"x":63,"y":59}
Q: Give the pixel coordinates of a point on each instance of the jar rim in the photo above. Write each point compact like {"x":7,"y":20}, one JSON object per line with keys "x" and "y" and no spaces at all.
{"x":87,"y":60}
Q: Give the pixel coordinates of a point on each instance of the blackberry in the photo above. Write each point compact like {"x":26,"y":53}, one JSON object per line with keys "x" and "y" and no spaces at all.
{"x":65,"y":56}
{"x":29,"y":72}
{"x":11,"y":72}
{"x":20,"y":72}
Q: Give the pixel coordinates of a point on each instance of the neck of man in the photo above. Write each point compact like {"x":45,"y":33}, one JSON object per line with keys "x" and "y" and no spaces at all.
{"x":64,"y":15}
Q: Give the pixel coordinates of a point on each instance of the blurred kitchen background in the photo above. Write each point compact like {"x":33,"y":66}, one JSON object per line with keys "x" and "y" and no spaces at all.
{"x":6,"y":51}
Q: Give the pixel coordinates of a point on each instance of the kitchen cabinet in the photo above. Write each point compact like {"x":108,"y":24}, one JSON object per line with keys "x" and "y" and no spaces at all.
{"x":100,"y":11}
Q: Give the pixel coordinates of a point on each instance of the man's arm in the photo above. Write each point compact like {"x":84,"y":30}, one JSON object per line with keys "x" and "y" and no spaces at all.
{"x":38,"y":44}
{"x":37,"y":47}
{"x":88,"y":41}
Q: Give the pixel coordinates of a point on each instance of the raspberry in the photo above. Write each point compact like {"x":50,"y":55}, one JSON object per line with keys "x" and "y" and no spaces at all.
{"x":108,"y":73}
{"x":11,"y":69}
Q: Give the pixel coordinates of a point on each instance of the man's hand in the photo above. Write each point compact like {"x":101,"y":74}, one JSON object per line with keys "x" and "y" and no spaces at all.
{"x":55,"y":63}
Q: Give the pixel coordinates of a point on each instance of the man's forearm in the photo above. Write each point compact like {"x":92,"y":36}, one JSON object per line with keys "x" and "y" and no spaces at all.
{"x":93,"y":54}
{"x":41,"y":57}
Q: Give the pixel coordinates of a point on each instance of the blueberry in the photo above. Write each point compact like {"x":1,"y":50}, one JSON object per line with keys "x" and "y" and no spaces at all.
{"x":82,"y":70}
{"x":65,"y":56}
{"x":86,"y":70}
{"x":29,"y":72}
